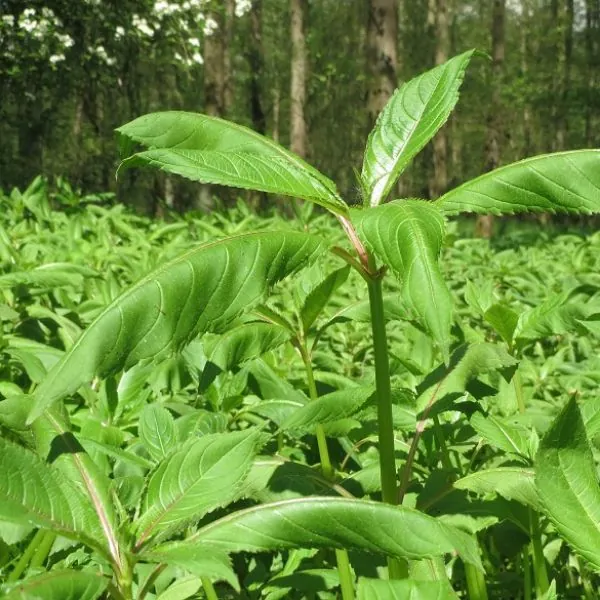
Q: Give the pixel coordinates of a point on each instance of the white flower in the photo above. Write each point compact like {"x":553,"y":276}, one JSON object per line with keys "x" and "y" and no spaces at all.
{"x":29,"y":12}
{"x":242,"y":7}
{"x":65,"y":39}
{"x":194,"y":42}
{"x":142,"y":25}
{"x":119,"y":31}
{"x":8,"y":20}
{"x":56,"y":58}
{"x":210,"y":26}
{"x":197,"y":58}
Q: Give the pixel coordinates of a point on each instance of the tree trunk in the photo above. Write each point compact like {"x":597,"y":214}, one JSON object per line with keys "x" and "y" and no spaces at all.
{"x":439,"y":182}
{"x":495,"y":128}
{"x":527,"y":149}
{"x":227,"y":68}
{"x":298,"y":128}
{"x":382,"y":55}
{"x":562,"y":120}
{"x":256,"y":62}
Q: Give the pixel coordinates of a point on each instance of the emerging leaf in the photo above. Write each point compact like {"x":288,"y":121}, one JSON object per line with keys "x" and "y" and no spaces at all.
{"x":409,"y":120}
{"x":211,"y":150}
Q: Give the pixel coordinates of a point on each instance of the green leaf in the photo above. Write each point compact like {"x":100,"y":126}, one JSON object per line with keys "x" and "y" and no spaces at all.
{"x":211,"y":150}
{"x":201,"y":290}
{"x":64,"y":584}
{"x":408,"y":121}
{"x":328,"y":408}
{"x":323,"y":522}
{"x":50,"y":275}
{"x":512,"y":483}
{"x":407,"y":235}
{"x":565,"y":182}
{"x":157,"y":431}
{"x":466,"y":363}
{"x":503,"y":319}
{"x":380,"y":589}
{"x":318,"y":298}
{"x":203,"y":475}
{"x":567,"y":483}
{"x":31,"y":492}
{"x":245,"y":343}
{"x":182,"y":588}
{"x":199,"y":561}
{"x":508,"y":436}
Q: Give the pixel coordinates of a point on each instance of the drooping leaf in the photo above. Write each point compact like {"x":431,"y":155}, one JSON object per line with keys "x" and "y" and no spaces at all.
{"x":200,"y":561}
{"x":318,"y":298}
{"x":157,"y":431}
{"x":211,"y":150}
{"x":567,"y":482}
{"x":63,"y":584}
{"x":565,"y":182}
{"x":512,"y":438}
{"x":335,"y":523}
{"x":203,"y":289}
{"x":407,"y":589}
{"x":246,"y":342}
{"x":407,"y":235}
{"x":328,"y":408}
{"x":512,"y":483}
{"x":31,"y":492}
{"x":408,"y":121}
{"x":203,"y":475}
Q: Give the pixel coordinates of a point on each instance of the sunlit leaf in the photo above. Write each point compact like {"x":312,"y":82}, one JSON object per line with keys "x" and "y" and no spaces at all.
{"x":63,"y":584}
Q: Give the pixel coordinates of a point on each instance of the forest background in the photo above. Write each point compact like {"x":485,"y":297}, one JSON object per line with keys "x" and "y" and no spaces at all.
{"x":312,"y":74}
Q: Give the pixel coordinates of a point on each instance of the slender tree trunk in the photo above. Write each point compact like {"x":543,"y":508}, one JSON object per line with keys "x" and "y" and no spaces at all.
{"x":382,"y":55}
{"x":276,"y":111}
{"x":439,"y":182}
{"x":562,"y":121}
{"x":527,"y":149}
{"x":495,"y":129}
{"x":228,"y":78}
{"x":256,"y":62}
{"x":298,"y":128}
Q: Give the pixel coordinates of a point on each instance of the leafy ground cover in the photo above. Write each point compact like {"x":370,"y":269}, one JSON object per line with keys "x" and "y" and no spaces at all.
{"x":242,"y":393}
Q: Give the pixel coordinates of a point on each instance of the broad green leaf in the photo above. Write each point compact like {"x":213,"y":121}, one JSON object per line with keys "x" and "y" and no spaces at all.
{"x":407,"y":235}
{"x":63,"y":584}
{"x":318,"y":298}
{"x":201,"y":290}
{"x":503,"y":319}
{"x":565,"y":182}
{"x":328,"y":408}
{"x":157,"y":431}
{"x":306,"y":581}
{"x":211,"y":150}
{"x":182,"y":588}
{"x":245,"y":343}
{"x":31,"y":492}
{"x":408,"y":121}
{"x":50,"y":275}
{"x":323,"y":522}
{"x":408,"y":589}
{"x":512,"y":483}
{"x":567,"y":483}
{"x":512,"y":438}
{"x":203,"y":475}
{"x":466,"y":364}
{"x":199,"y":561}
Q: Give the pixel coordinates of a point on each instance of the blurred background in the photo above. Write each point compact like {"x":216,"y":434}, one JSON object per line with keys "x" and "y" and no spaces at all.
{"x":312,"y":74}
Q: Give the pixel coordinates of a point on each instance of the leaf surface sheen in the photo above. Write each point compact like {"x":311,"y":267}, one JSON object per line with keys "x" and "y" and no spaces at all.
{"x":201,"y":476}
{"x":157,"y":431}
{"x":212,"y":150}
{"x":409,"y":120}
{"x":567,"y":482}
{"x":564,"y":182}
{"x":201,"y":290}
{"x":407,"y":235}
{"x":325,"y":522}
{"x":63,"y":584}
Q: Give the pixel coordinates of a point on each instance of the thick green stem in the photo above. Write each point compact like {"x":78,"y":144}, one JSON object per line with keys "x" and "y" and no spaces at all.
{"x":209,"y":589}
{"x":26,"y":556}
{"x":387,"y":455}
{"x":526,"y":574}
{"x":539,"y":561}
{"x":519,"y":391}
{"x":476,"y":587}
{"x":345,"y":573}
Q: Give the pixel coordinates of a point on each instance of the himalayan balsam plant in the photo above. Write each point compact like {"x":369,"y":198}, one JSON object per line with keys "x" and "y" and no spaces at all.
{"x":53,"y":479}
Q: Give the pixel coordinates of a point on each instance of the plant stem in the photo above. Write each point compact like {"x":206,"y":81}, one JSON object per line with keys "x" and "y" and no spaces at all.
{"x":20,"y":567}
{"x":539,"y":561}
{"x":43,"y":550}
{"x":343,"y":562}
{"x":209,"y":589}
{"x":345,"y":573}
{"x":476,"y":587}
{"x":526,"y":574}
{"x":519,"y":391}
{"x":387,"y":455}
{"x":150,"y":580}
